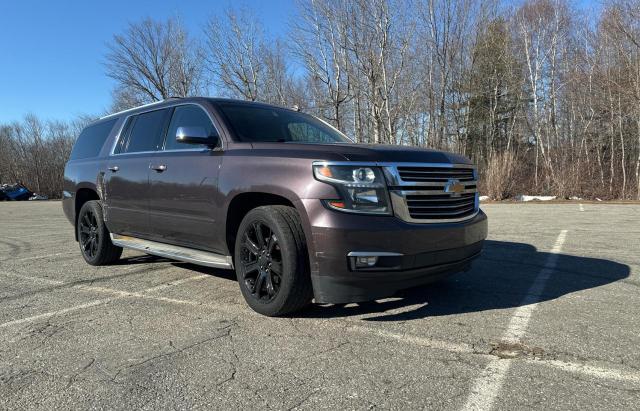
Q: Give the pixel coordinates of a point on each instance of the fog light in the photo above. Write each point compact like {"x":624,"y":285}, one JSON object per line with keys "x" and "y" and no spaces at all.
{"x":374,"y":261}
{"x":366,"y":261}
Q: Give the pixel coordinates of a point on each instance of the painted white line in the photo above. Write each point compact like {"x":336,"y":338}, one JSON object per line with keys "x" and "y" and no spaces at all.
{"x":487,"y":387}
{"x":590,"y":370}
{"x":415,"y":340}
{"x":21,"y":237}
{"x":58,"y":312}
{"x":30,"y":278}
{"x":581,"y":207}
{"x":497,"y":368}
{"x":521,"y":317}
{"x":38,"y":257}
{"x":118,"y":294}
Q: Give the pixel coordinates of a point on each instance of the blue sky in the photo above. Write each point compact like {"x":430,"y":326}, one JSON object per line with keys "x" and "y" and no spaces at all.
{"x":52,"y":51}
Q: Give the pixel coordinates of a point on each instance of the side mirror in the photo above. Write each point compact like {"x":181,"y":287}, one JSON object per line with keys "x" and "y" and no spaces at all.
{"x":196,"y":135}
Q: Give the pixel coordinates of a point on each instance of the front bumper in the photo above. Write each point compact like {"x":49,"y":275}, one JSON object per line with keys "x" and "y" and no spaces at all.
{"x":429,"y":252}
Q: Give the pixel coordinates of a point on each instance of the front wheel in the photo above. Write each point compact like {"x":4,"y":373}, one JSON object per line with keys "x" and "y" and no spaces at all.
{"x":93,"y":236}
{"x":271,"y":261}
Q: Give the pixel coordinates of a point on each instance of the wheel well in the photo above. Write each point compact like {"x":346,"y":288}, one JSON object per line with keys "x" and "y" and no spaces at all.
{"x":241,"y":205}
{"x":82,"y":196}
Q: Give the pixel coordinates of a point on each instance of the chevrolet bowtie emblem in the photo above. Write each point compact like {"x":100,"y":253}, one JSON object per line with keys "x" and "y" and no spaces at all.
{"x":454,"y":187}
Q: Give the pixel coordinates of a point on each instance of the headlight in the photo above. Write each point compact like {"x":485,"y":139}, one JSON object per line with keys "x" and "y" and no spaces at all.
{"x":362,"y":188}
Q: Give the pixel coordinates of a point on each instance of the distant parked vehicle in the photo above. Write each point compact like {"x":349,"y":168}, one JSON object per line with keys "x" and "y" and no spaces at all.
{"x":291,"y":203}
{"x":15,"y":192}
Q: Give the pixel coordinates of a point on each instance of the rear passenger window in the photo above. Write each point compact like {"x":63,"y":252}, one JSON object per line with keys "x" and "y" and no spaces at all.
{"x":187,"y":116}
{"x":123,"y":138}
{"x":147,"y":131}
{"x":91,"y":140}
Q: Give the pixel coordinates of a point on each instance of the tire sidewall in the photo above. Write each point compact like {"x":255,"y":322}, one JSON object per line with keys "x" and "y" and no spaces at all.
{"x":289,"y":261}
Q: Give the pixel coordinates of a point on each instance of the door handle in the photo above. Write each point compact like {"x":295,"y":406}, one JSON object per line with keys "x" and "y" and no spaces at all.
{"x":159,"y":168}
{"x":114,"y":168}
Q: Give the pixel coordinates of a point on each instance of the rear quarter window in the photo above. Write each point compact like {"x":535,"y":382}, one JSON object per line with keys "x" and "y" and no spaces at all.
{"x":91,"y":140}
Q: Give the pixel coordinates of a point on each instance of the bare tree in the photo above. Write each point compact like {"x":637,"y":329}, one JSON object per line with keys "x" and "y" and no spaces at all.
{"x":320,"y":42}
{"x":153,"y":60}
{"x":34,"y":152}
{"x":621,"y":24}
{"x":234,"y":47}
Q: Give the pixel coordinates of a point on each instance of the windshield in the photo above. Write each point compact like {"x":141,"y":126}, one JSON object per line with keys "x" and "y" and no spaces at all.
{"x":271,"y":124}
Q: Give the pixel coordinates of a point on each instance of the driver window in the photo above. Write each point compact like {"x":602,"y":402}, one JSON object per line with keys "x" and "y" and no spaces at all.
{"x":187,"y":116}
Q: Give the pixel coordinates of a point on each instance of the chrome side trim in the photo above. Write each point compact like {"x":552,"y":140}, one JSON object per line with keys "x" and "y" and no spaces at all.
{"x":373,"y":254}
{"x":174,"y":252}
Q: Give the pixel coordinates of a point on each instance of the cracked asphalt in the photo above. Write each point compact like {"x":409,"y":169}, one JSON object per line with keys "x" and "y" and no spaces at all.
{"x":543,"y":320}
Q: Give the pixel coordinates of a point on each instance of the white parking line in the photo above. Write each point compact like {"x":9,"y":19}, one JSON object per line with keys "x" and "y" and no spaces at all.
{"x":590,"y":370}
{"x":58,"y":312}
{"x":30,"y":278}
{"x":118,"y":294}
{"x":38,"y":257}
{"x":486,"y":388}
{"x":499,"y":367}
{"x":441,"y":345}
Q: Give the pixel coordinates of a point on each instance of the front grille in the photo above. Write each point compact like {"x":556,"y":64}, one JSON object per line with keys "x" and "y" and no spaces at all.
{"x":435,"y":174}
{"x":433,"y":193}
{"x":436,"y":207}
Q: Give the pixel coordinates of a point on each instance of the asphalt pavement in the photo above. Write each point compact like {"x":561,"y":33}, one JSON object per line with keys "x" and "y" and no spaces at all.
{"x":547,"y":318}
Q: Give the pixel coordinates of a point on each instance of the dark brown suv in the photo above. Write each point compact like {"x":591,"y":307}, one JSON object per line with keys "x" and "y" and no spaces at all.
{"x":291,"y":203}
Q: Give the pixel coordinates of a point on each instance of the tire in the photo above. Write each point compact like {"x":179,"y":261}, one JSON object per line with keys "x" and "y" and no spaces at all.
{"x":273,"y":274}
{"x":95,"y":243}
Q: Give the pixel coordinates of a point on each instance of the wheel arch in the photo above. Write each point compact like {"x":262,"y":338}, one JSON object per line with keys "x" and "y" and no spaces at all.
{"x":82,"y":196}
{"x":241,"y":204}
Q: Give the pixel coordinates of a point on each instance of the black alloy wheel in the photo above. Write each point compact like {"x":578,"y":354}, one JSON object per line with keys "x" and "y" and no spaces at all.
{"x":261,"y":264}
{"x":93,"y":236}
{"x":272,"y":261}
{"x":89,"y":234}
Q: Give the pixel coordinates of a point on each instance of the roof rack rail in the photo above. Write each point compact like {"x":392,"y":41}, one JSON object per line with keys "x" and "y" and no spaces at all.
{"x":142,"y":106}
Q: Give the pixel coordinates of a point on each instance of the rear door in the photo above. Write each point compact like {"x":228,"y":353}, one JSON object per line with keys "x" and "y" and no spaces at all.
{"x":127,"y":174}
{"x":184,"y":185}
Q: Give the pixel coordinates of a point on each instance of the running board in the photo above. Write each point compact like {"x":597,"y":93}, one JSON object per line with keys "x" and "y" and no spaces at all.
{"x":173,"y":252}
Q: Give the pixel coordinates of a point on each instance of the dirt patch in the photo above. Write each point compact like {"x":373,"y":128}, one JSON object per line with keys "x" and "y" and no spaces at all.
{"x":515,"y":350}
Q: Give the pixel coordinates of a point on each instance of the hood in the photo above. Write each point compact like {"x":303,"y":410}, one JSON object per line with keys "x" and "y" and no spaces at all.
{"x":363,"y":152}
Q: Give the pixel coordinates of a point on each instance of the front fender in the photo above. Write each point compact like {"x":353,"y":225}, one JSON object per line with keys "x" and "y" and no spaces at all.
{"x":290,"y":178}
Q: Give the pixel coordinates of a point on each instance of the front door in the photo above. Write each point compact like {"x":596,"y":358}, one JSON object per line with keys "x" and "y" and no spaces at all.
{"x":126,"y":182}
{"x":183,"y":186}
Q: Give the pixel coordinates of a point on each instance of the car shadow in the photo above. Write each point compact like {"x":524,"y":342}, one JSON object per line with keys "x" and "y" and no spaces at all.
{"x":500,"y":278}
{"x":141,"y":259}
{"x":214,"y":272}
{"x":152,"y":259}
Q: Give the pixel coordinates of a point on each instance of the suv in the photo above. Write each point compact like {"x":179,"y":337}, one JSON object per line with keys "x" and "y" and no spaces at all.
{"x":289,"y":202}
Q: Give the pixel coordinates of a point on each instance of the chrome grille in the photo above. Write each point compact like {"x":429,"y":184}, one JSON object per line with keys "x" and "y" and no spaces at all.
{"x":433,"y":193}
{"x":430,"y":207}
{"x":421,"y":174}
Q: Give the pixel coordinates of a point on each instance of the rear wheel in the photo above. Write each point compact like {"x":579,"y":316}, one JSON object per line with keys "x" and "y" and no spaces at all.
{"x":93,"y":236}
{"x":271,"y":261}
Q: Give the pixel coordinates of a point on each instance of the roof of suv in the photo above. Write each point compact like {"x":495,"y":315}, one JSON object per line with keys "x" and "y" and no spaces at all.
{"x":173,"y":100}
